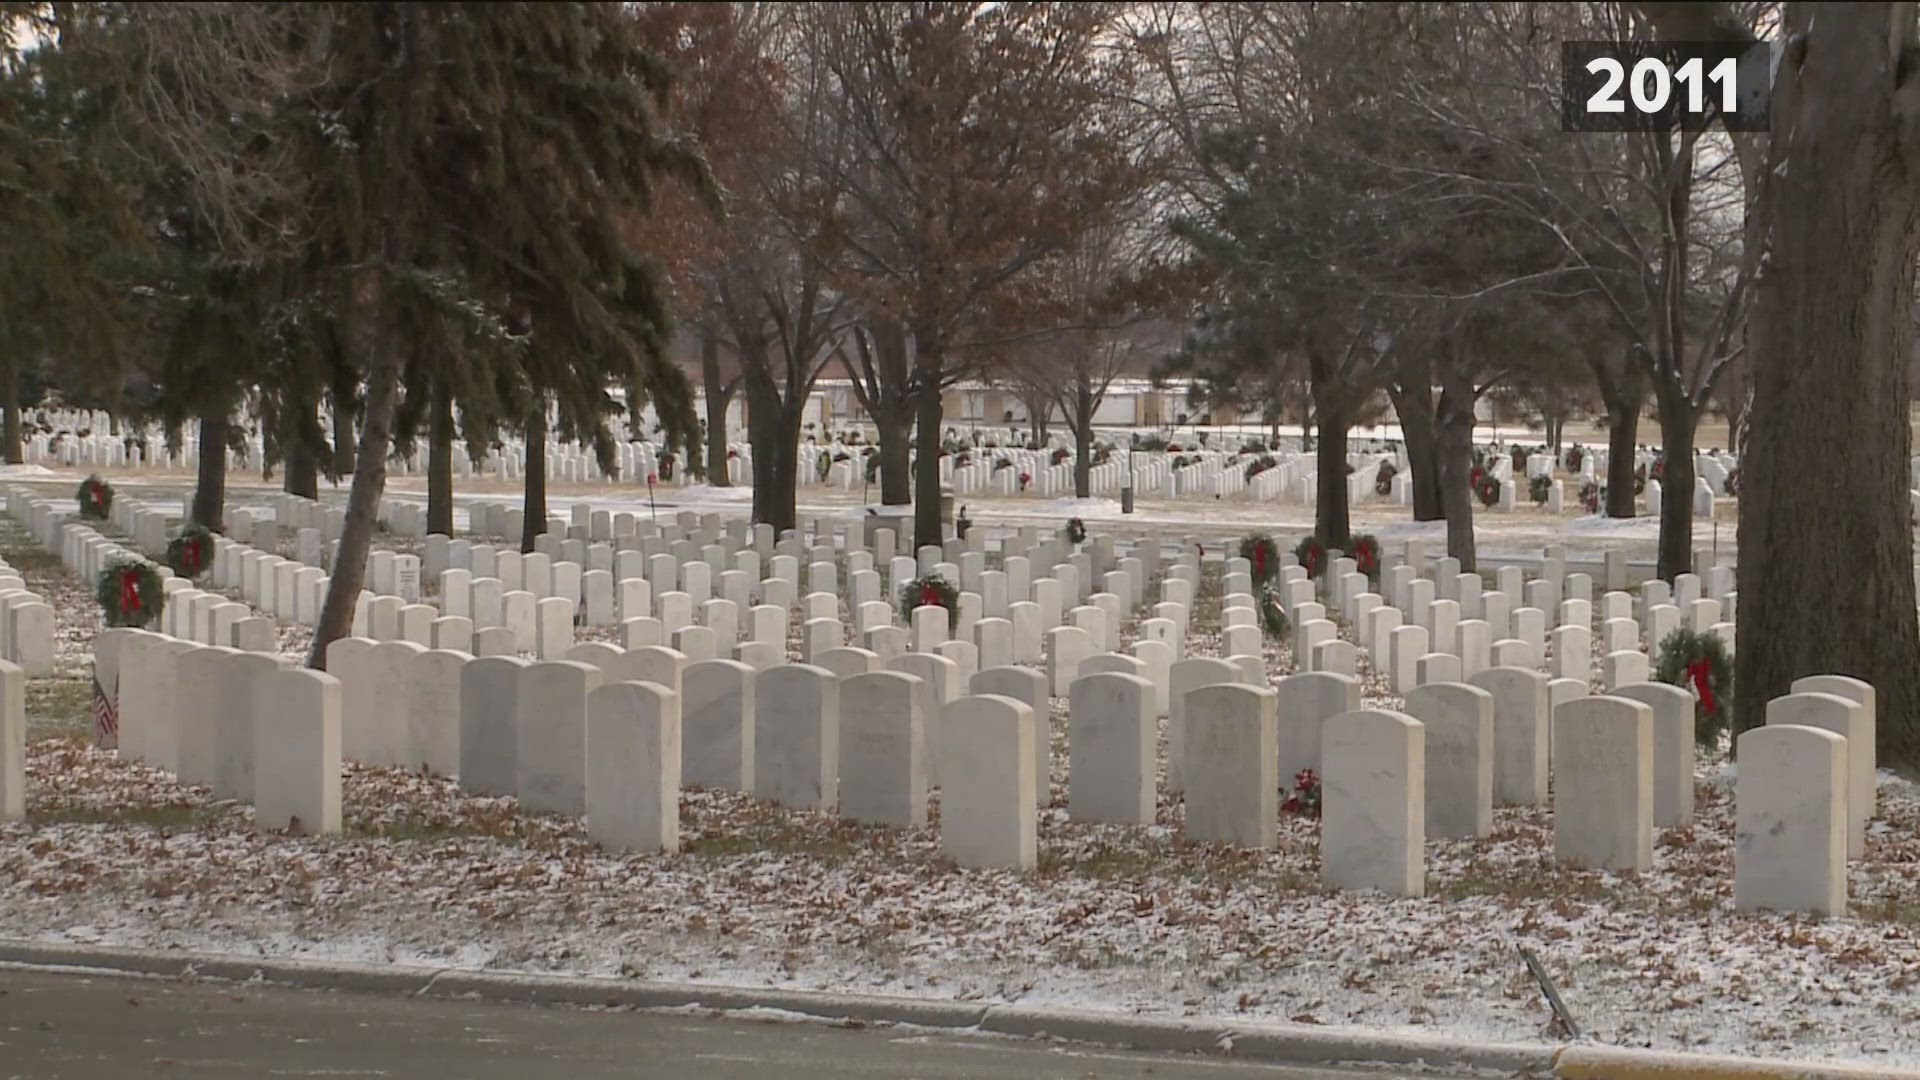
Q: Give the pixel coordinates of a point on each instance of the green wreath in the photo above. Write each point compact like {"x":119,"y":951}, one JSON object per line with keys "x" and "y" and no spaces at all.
{"x":1263,"y":558}
{"x":1076,"y":531}
{"x":95,"y":497}
{"x":1539,"y":488}
{"x":1273,"y":621}
{"x":930,"y":589}
{"x":1697,"y":660}
{"x":191,"y":552}
{"x":130,"y":592}
{"x":1312,"y":555}
{"x":1366,"y":554}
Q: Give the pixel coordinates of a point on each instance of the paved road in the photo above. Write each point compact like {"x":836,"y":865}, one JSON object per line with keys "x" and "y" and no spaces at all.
{"x":71,"y":1027}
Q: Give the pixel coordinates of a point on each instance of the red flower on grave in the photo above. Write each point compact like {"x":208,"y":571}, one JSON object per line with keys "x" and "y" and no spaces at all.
{"x":653,"y":478}
{"x":1025,"y":479}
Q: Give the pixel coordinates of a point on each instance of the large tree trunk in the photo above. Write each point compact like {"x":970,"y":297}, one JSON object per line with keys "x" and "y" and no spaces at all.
{"x":363,"y":502}
{"x":1413,"y":406}
{"x":1453,"y":447}
{"x":301,"y":470}
{"x":1083,"y":442}
{"x":927,"y":527}
{"x":896,"y":457}
{"x":1623,"y":433}
{"x":343,"y":454}
{"x":1678,"y":418}
{"x":1331,"y":522}
{"x":1826,"y":541}
{"x":773,"y":430}
{"x":210,"y":486}
{"x":10,"y":400}
{"x":533,"y":506}
{"x":719,"y":394}
{"x":440,"y":463}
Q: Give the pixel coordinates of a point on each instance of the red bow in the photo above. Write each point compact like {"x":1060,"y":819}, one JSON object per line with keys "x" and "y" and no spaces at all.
{"x":1701,"y":674}
{"x":190,"y":557}
{"x":652,"y":479}
{"x":929,"y":595}
{"x":1259,"y":560}
{"x":1364,"y":558}
{"x":130,"y":590}
{"x":1313,"y":560}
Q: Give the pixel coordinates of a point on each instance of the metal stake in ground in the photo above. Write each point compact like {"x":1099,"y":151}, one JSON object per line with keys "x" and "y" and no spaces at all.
{"x":1561,"y":1016}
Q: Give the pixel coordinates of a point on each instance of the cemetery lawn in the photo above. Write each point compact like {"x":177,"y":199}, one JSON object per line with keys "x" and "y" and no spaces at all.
{"x":1129,"y":919}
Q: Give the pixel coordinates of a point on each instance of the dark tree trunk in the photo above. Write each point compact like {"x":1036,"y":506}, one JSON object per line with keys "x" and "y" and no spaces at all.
{"x":896,"y":457}
{"x":1678,"y":418}
{"x":343,"y":451}
{"x":1414,"y":407}
{"x":10,"y":400}
{"x":533,"y":505}
{"x":363,"y":503}
{"x":1331,"y":522}
{"x":1453,"y":447}
{"x":210,"y":486}
{"x":1825,"y":537}
{"x":927,"y":527}
{"x":1083,"y":442}
{"x":773,"y":430}
{"x":719,"y":394}
{"x":1623,"y":431}
{"x":301,"y":468}
{"x":440,"y":464}
{"x":776,"y":466}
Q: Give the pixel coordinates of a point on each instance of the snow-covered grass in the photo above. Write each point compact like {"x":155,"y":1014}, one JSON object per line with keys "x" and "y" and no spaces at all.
{"x":1127,"y":918}
{"x":1131,"y":919}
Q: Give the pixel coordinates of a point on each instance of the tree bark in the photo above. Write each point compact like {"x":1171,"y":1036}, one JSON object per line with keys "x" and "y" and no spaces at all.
{"x":343,"y":445}
{"x":210,"y":486}
{"x":10,"y":395}
{"x":927,"y":528}
{"x":440,"y":463}
{"x":1453,"y":446}
{"x":533,"y":505}
{"x":1083,"y":441}
{"x":1825,"y":537}
{"x":773,"y":430}
{"x":1331,"y":521}
{"x":1623,"y":433}
{"x":1413,"y":406}
{"x":301,"y":470}
{"x":719,"y":394}
{"x":363,"y":502}
{"x":896,"y":459}
{"x":1678,"y":418}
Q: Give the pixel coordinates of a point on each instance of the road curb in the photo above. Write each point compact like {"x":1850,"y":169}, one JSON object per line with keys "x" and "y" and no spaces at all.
{"x":1298,"y":1044}
{"x":1609,"y":1063}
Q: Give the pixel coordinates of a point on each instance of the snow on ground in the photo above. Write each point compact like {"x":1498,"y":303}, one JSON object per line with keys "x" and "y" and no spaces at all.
{"x":1129,"y":919}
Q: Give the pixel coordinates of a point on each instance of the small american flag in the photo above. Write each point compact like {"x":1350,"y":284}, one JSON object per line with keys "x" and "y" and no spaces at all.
{"x":106,"y":718}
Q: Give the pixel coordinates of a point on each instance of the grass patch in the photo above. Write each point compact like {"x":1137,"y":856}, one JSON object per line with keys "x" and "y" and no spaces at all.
{"x":59,"y":706}
{"x":171,"y":818}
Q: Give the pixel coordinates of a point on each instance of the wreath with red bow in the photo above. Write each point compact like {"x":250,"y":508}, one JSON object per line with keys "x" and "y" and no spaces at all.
{"x":929,"y":590}
{"x":191,"y":552}
{"x":1488,"y":489}
{"x":1366,"y":554}
{"x":1697,"y":660}
{"x":1076,"y":531}
{"x":95,"y":497}
{"x":130,"y":592}
{"x":1263,"y":558}
{"x":1312,"y":555}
